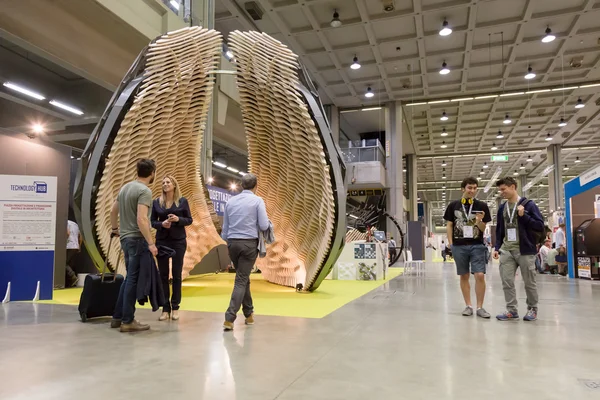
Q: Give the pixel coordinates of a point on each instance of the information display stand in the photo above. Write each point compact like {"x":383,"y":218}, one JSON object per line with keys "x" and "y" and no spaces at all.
{"x":362,"y":261}
{"x":27,"y":236}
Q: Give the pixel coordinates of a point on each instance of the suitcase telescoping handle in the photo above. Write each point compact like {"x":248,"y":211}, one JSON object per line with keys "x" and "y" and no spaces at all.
{"x":112,"y":236}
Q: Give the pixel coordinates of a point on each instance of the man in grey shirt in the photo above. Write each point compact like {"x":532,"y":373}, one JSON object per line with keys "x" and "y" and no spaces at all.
{"x":245,"y":214}
{"x":133,"y":206}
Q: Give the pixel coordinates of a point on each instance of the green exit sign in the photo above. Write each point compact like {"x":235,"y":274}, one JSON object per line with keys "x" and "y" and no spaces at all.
{"x":503,"y":158}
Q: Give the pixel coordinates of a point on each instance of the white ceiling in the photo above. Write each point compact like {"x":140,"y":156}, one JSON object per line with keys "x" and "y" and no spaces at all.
{"x":492,"y":44}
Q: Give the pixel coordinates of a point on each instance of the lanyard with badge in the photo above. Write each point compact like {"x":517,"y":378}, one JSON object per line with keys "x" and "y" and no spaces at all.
{"x":511,"y":228}
{"x":467,"y":229}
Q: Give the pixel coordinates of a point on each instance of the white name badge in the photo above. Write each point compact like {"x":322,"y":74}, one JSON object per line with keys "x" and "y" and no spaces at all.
{"x":468,"y":232}
{"x":512,"y":234}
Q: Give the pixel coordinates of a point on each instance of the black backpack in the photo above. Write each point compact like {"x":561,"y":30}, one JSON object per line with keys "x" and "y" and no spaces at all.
{"x":540,"y":236}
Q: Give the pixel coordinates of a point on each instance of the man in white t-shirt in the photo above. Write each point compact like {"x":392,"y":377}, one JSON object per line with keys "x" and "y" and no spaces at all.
{"x":543,"y":255}
{"x":560,"y":238}
{"x":73,"y":247}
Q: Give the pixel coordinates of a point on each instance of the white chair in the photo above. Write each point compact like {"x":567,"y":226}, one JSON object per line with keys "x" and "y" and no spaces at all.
{"x":409,"y":263}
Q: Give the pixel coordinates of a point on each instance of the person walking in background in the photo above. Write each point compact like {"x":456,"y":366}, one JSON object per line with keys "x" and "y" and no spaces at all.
{"x":517,"y":220}
{"x":392,"y":249}
{"x":170,"y":215}
{"x":443,"y":249}
{"x":244,"y":217}
{"x":560,"y":238}
{"x":467,"y":219}
{"x":73,"y":247}
{"x":132,"y":209}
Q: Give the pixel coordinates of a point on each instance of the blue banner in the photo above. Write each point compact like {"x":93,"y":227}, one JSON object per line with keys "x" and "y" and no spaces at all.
{"x":219,"y":198}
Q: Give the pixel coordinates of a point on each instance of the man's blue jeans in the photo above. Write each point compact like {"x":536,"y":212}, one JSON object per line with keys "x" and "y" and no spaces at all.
{"x":132,"y":250}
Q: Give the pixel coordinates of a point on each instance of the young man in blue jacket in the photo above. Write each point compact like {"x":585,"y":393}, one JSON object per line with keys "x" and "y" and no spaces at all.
{"x":517,"y":220}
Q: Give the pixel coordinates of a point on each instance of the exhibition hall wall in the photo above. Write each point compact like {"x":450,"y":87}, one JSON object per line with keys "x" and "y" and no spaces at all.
{"x":31,"y":157}
{"x":582,"y":206}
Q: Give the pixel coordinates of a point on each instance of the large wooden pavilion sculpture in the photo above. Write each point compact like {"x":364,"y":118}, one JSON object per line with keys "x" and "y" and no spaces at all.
{"x":160,"y":111}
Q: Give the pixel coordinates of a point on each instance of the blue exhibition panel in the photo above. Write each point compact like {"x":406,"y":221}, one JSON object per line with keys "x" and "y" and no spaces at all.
{"x":23,"y":269}
{"x":572,"y":189}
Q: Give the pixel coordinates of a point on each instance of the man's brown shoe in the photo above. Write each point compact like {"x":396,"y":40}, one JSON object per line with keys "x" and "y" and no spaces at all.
{"x":228,"y":326}
{"x":135,"y":326}
{"x":250,"y":320}
{"x":115,"y":323}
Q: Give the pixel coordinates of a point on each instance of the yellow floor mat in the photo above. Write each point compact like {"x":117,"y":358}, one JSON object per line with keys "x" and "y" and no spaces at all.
{"x":211,"y":293}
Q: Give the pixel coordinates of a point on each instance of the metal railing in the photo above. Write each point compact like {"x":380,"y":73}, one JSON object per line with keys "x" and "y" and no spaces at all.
{"x":363,"y":154}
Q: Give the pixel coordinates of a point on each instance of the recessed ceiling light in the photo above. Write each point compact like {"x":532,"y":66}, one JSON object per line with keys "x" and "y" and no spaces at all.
{"x":66,"y":107}
{"x":485,"y":165}
{"x":507,"y":120}
{"x":335,"y":21}
{"x":494,"y":146}
{"x":499,"y":135}
{"x":579,"y":103}
{"x":549,"y":37}
{"x":562,"y":122}
{"x":444,"y":70}
{"x":355,"y":64}
{"x":23,"y":90}
{"x":548,"y":137}
{"x":444,"y":117}
{"x":530,"y":74}
{"x":444,"y":145}
{"x":444,"y":133}
{"x":577,"y":160}
{"x":446,"y":30}
{"x":369,"y":93}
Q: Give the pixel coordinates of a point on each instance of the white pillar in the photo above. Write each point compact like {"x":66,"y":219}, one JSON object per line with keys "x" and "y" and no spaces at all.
{"x":555,"y":185}
{"x":394,"y":175}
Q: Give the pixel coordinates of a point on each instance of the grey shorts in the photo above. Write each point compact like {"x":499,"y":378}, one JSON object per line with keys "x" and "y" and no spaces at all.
{"x":469,"y":258}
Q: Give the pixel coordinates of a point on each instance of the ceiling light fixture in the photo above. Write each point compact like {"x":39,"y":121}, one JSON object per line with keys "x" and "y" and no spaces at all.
{"x":66,"y":107}
{"x":499,"y":135}
{"x":38,"y":129}
{"x":404,"y":170}
{"x":530,"y":74}
{"x":219,"y":164}
{"x":23,"y":90}
{"x":549,"y":37}
{"x":579,"y":103}
{"x":515,"y":173}
{"x":485,"y":166}
{"x":210,"y":180}
{"x":548,"y":137}
{"x":233,"y":186}
{"x":529,"y":158}
{"x":444,"y":163}
{"x":522,"y":166}
{"x":562,"y":122}
{"x":444,"y":70}
{"x":566,"y":168}
{"x":234,"y":170}
{"x":446,"y":30}
{"x":443,"y":176}
{"x":355,"y":64}
{"x":481,"y":172}
{"x":175,"y":4}
{"x":444,"y":133}
{"x":444,"y":117}
{"x":242,"y":173}
{"x":577,"y":160}
{"x":494,"y":146}
{"x":369,"y":93}
{"x":444,"y":145}
{"x":335,"y":21}
{"x":507,"y":120}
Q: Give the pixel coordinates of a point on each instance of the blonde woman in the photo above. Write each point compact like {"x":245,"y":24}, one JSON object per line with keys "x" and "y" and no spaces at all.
{"x":170,"y":215}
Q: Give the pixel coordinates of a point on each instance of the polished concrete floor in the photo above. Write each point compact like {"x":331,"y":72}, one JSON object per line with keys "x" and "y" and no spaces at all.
{"x":406,"y":340}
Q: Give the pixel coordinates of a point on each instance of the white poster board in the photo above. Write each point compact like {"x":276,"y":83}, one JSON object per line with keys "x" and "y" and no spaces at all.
{"x":27,"y":212}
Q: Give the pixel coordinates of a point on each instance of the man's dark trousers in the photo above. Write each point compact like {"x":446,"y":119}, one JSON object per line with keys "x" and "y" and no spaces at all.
{"x":243,"y":254}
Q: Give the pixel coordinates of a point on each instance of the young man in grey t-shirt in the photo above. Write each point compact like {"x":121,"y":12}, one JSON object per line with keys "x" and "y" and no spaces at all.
{"x":132,"y":207}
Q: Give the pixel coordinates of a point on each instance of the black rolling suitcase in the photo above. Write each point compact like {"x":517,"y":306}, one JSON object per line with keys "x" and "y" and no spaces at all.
{"x":100,"y":293}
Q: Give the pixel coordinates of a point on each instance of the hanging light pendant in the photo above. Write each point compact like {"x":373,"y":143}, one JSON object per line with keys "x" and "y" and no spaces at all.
{"x":530,"y":74}
{"x":548,"y":137}
{"x":355,"y":64}
{"x":444,"y":117}
{"x":444,"y":145}
{"x":507,"y":120}
{"x":579,"y":103}
{"x":369,"y":93}
{"x":444,"y":70}
{"x":446,"y":30}
{"x":499,"y":135}
{"x":562,"y":122}
{"x":494,"y":147}
{"x":577,"y":160}
{"x":444,"y":133}
{"x":335,"y":21}
{"x":549,"y":37}
{"x":485,"y":165}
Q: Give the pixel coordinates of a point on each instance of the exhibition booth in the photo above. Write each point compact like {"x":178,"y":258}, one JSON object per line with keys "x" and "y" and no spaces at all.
{"x":582,"y":199}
